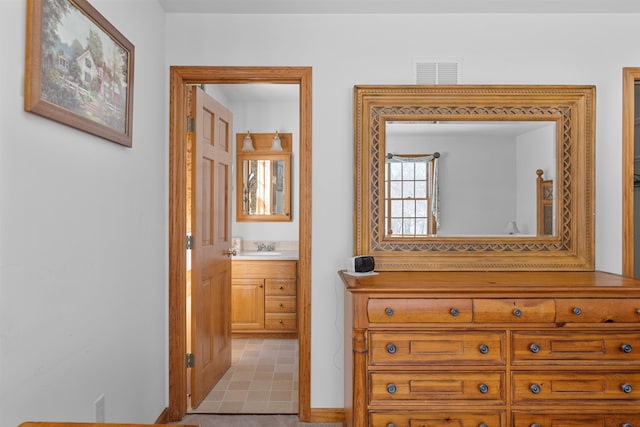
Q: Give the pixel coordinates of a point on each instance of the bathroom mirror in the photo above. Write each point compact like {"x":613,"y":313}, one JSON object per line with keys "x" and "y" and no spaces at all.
{"x":263,"y":177}
{"x":491,"y":141}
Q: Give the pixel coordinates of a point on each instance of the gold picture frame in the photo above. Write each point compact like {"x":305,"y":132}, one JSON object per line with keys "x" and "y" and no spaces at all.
{"x":79,"y":69}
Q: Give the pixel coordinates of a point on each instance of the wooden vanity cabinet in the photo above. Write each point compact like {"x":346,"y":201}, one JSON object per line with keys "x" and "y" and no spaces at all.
{"x":264,"y":298}
{"x":492,"y":349}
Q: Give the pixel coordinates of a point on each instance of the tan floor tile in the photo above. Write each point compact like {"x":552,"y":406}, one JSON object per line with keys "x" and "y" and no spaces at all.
{"x":280,"y":396}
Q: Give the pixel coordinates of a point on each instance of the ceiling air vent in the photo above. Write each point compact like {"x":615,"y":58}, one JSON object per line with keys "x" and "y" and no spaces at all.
{"x":437,"y":71}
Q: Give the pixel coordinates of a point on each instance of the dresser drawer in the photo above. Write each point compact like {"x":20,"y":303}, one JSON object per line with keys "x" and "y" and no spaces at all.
{"x":442,"y":418}
{"x":575,"y":420}
{"x":280,"y":287}
{"x":484,"y":348}
{"x":587,"y":387}
{"x":277,"y":304}
{"x":441,"y":387}
{"x":579,"y":346}
{"x":280,"y":321}
{"x":513,"y":310}
{"x":599,"y":310}
{"x":421,"y":310}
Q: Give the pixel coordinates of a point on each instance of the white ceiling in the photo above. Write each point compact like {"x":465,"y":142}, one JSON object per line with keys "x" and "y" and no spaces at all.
{"x":399,"y":6}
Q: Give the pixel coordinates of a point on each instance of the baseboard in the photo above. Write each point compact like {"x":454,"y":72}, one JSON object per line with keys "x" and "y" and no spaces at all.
{"x":164,"y":417}
{"x":327,"y":415}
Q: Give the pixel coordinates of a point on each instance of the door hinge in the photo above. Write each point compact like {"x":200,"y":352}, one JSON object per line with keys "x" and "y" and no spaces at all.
{"x":191,"y":360}
{"x":191,"y":124}
{"x":189,"y":242}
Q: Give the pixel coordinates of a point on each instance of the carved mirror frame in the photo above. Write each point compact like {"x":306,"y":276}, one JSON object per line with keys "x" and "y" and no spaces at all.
{"x":573,"y":110}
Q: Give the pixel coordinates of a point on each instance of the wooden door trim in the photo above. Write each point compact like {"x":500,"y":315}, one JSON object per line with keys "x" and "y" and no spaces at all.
{"x":180,"y":77}
{"x":629,"y":77}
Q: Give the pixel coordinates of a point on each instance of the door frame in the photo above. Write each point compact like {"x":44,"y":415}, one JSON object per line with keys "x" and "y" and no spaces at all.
{"x":180,"y":77}
{"x":629,"y":77}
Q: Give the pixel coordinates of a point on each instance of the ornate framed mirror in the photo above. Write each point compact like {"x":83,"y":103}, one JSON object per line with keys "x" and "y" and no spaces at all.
{"x":446,"y":177}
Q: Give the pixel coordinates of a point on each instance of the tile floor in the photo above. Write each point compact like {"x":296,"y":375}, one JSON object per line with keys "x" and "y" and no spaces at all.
{"x":263,"y":379}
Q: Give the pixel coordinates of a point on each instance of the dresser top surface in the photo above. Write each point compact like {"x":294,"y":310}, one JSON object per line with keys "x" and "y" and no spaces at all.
{"x":547,"y":283}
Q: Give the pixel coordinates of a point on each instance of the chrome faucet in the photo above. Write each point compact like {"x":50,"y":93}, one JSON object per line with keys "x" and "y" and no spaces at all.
{"x":266,"y":246}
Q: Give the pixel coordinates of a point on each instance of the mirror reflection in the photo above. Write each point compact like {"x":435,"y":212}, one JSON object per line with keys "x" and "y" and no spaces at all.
{"x":469,"y":178}
{"x":263,"y":185}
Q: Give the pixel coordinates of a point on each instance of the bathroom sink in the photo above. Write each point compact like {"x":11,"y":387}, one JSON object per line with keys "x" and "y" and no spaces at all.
{"x":259,"y":253}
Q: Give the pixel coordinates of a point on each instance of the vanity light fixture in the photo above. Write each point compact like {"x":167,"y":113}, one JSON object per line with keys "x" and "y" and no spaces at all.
{"x":247,"y":143}
{"x":276,"y":145}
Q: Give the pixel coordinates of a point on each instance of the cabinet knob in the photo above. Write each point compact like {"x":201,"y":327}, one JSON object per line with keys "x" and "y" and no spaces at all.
{"x":281,"y":287}
{"x":626,"y":425}
{"x":391,"y":388}
{"x":534,"y":388}
{"x":484,"y":349}
{"x":281,"y":305}
{"x":535,"y":425}
{"x":454,"y":312}
{"x":484,"y":389}
{"x":626,"y":348}
{"x":391,"y":348}
{"x":577,"y":311}
{"x":391,"y":425}
{"x":483,"y":425}
{"x":626,"y":388}
{"x":517,"y":312}
{"x":534,"y":348}
{"x":388,"y":311}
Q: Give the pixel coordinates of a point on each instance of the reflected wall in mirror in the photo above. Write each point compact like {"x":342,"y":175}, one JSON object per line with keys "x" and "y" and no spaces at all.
{"x":263,"y":177}
{"x":475,"y":207}
{"x":489,"y":165}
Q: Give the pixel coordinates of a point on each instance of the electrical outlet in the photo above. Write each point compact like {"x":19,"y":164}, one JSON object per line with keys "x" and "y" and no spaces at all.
{"x":100,"y":410}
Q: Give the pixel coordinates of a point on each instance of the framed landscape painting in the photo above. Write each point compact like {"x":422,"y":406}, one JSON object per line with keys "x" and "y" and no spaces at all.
{"x":79,"y":69}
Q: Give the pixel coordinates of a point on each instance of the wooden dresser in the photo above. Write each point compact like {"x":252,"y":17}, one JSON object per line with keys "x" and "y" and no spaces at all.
{"x":489,"y":349}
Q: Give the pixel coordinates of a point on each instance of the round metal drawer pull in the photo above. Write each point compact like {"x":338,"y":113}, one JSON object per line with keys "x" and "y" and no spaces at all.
{"x":391,"y":348}
{"x":454,"y":312}
{"x":577,"y":311}
{"x":388,"y":311}
{"x":517,"y":312}
{"x":391,"y":425}
{"x":535,"y":388}
{"x":637,"y":310}
{"x":535,"y":425}
{"x":483,"y":425}
{"x":484,"y":349}
{"x":626,"y":348}
{"x":534,"y":348}
{"x":484,"y":389}
{"x":626,"y":425}
{"x":627,"y":388}
{"x":391,"y":388}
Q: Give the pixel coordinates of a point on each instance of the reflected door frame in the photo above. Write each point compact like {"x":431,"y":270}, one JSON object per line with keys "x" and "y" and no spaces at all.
{"x":629,"y":78}
{"x":179,"y":80}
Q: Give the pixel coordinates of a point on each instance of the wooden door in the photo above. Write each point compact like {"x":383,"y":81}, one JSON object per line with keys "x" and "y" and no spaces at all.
{"x":211,"y":229}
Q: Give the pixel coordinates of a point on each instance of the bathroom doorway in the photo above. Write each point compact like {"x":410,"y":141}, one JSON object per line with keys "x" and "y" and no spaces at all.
{"x":180,"y":78}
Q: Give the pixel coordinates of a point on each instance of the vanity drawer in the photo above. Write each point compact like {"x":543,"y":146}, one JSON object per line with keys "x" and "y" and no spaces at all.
{"x":600,"y":310}
{"x":437,"y":387}
{"x":587,"y":387}
{"x":611,"y":347}
{"x":575,"y":420}
{"x":485,"y":348}
{"x":280,"y":321}
{"x":277,"y":304}
{"x":280,"y":287}
{"x":421,"y":310}
{"x":513,"y":310}
{"x":442,"y":418}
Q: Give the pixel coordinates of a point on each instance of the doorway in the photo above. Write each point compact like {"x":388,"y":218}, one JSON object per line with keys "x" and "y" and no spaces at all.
{"x":180,"y":78}
{"x":631,"y":172}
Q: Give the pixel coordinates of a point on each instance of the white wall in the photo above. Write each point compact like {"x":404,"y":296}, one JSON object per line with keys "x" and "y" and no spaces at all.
{"x":378,"y":49}
{"x":83,"y":243}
